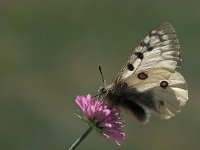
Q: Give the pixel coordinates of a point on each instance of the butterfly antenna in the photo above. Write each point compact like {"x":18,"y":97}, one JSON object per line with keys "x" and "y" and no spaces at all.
{"x":104,"y":81}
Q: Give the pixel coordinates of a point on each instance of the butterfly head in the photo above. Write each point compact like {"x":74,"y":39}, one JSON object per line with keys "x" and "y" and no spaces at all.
{"x":103,"y":90}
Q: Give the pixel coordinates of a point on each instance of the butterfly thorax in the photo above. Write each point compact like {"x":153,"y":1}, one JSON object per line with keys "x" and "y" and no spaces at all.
{"x":115,"y":93}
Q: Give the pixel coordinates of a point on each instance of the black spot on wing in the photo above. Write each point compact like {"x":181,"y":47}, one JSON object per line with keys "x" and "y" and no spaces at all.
{"x":139,"y":55}
{"x":149,"y":48}
{"x":147,"y":45}
{"x":130,"y":67}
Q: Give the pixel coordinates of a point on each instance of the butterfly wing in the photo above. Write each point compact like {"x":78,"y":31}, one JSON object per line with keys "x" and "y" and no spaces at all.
{"x":159,"y":49}
{"x":152,"y":68}
{"x":170,"y":99}
{"x":168,"y":90}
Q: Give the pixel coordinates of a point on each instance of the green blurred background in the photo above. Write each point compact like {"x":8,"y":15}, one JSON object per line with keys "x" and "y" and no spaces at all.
{"x":50,"y":52}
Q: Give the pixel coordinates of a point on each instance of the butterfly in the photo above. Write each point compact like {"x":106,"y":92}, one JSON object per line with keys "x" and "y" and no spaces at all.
{"x":149,"y":81}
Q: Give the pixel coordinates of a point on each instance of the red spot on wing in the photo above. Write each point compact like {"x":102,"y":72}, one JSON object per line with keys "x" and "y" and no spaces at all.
{"x":142,"y":76}
{"x":164,"y":84}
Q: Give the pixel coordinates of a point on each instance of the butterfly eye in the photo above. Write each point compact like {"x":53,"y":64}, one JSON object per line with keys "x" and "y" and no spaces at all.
{"x":102,"y":90}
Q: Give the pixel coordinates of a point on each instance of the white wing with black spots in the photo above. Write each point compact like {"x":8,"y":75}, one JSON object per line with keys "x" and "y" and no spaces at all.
{"x":159,"y":49}
{"x":148,"y":80}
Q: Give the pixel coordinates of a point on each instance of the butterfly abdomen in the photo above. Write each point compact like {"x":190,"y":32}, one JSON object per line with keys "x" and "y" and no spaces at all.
{"x":128,"y":98}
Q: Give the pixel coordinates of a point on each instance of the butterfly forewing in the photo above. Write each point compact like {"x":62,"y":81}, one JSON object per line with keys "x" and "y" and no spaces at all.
{"x":159,"y":49}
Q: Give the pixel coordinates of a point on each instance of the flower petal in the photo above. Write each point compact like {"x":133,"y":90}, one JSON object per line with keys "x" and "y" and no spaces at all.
{"x":105,"y":119}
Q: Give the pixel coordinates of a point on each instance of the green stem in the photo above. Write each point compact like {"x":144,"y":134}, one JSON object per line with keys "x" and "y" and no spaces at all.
{"x":81,"y":138}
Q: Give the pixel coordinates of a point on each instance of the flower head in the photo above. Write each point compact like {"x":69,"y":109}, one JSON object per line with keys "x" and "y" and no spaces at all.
{"x":101,"y":117}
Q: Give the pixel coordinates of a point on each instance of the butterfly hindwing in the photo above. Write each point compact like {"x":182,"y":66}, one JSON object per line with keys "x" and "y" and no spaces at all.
{"x":170,"y":95}
{"x":169,"y":91}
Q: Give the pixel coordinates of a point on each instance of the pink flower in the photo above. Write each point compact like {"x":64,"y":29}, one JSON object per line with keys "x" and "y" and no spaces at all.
{"x":102,"y":118}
